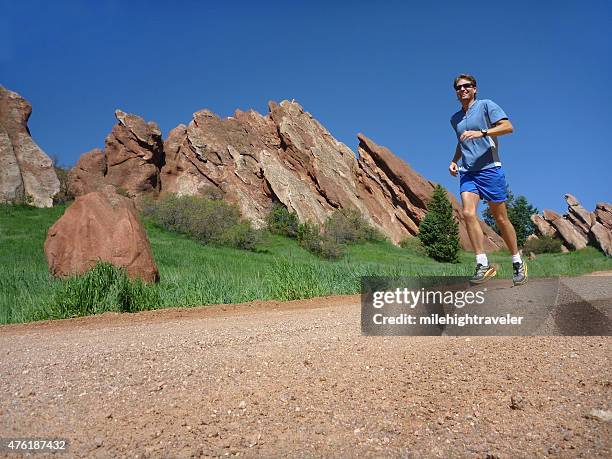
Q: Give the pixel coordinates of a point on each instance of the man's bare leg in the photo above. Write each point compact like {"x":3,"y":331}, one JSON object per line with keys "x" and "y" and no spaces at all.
{"x":470,"y":205}
{"x":484,"y":270}
{"x":500,"y":214}
{"x":519,"y":267}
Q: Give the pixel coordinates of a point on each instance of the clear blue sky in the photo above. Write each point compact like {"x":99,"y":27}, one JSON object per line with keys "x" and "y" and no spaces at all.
{"x":382,"y":68}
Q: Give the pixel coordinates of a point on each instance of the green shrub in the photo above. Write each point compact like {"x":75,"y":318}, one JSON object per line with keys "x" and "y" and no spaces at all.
{"x":309,"y":236}
{"x":439,"y":231}
{"x":102,"y":288}
{"x":207,"y":220}
{"x":241,"y":236}
{"x":330,"y":249}
{"x":543,"y":244}
{"x":282,"y":222}
{"x":348,"y":225}
{"x":342,"y":227}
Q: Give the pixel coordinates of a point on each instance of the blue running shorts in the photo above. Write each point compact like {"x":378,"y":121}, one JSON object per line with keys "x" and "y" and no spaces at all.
{"x":489,"y":184}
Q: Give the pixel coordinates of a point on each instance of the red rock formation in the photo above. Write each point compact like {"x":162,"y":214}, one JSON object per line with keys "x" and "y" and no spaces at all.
{"x":222,"y":155}
{"x":394,"y":193}
{"x":602,"y":237}
{"x":27,"y":173}
{"x":551,"y":215}
{"x":572,"y":236}
{"x":580,"y":213}
{"x":88,"y":174}
{"x":100,"y":226}
{"x":131,"y":160}
{"x":579,"y":227}
{"x":286,"y":156}
{"x":542,"y":226}
{"x":134,"y":155}
{"x":603,"y":214}
{"x":323,"y":168}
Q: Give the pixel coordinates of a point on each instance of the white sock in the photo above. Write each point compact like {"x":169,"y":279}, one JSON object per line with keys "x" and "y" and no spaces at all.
{"x":516,"y":258}
{"x":481,"y":258}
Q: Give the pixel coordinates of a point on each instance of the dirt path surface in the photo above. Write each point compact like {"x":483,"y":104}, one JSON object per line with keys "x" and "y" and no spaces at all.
{"x":298,"y":379}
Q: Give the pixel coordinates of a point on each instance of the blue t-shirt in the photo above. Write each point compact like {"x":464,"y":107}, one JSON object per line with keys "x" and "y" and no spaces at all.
{"x":481,"y":153}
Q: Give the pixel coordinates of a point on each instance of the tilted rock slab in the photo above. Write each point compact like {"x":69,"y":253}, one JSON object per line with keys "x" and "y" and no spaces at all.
{"x":131,"y":160}
{"x":27,"y":173}
{"x":542,"y":226}
{"x":603,"y":214}
{"x":134,"y":154}
{"x":578,"y":223}
{"x":566,"y":230}
{"x":576,"y":239}
{"x":325,"y":166}
{"x":602,"y":237}
{"x":100,"y":226}
{"x":396,"y":196}
{"x":550,"y":215}
{"x":578,"y":215}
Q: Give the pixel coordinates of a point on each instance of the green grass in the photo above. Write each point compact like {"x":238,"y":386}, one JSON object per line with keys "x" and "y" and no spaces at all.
{"x":193,"y":274}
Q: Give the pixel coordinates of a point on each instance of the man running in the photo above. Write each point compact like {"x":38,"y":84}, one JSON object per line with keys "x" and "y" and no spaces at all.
{"x":477,"y":125}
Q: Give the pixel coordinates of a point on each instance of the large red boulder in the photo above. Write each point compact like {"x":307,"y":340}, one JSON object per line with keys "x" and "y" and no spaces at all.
{"x":100,"y":226}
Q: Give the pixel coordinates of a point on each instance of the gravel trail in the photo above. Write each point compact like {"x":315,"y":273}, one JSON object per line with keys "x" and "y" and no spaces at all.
{"x":297,"y":379}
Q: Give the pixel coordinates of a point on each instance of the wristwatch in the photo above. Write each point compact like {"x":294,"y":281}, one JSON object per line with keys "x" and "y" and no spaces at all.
{"x":484,"y":132}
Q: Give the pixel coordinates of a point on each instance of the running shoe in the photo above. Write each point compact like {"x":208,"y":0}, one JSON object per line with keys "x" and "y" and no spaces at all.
{"x":519,"y":273}
{"x":483,"y":273}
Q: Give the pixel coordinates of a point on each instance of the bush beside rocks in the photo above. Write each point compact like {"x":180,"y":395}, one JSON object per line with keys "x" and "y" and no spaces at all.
{"x":209,"y":221}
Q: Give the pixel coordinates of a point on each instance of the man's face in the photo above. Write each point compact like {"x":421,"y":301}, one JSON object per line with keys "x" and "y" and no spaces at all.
{"x":465,"y":89}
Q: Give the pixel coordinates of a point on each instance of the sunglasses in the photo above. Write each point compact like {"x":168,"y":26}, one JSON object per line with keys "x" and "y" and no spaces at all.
{"x":464,"y":86}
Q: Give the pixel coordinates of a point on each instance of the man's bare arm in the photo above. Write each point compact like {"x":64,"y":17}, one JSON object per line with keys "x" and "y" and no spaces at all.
{"x":452,"y":168}
{"x":502,"y":127}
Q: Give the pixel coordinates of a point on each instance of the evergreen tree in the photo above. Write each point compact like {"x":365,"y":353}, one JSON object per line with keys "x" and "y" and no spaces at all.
{"x":439,"y":231}
{"x":520,"y":215}
{"x":281,"y":221}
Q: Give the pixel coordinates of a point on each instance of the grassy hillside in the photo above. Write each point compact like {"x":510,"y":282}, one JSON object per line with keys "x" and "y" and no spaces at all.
{"x":193,"y":274}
